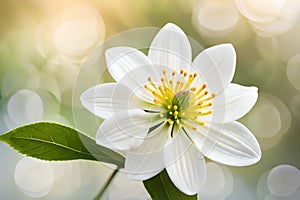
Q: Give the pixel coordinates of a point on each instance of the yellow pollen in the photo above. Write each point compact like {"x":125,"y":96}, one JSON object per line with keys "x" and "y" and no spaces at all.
{"x":182,"y":103}
{"x":200,"y":123}
{"x":170,"y":121}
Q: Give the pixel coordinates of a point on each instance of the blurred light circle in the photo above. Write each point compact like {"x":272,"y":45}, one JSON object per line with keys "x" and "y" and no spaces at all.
{"x":10,"y":124}
{"x":216,"y":18}
{"x":291,"y":10}
{"x":284,"y":22}
{"x":68,"y":37}
{"x":34,"y":177}
{"x":275,"y":27}
{"x":67,"y":180}
{"x":44,"y":36}
{"x":294,"y":105}
{"x":285,"y":114}
{"x":288,"y":45}
{"x":269,"y":143}
{"x":17,"y":79}
{"x":293,"y":71}
{"x":264,"y":109}
{"x":260,"y":11}
{"x":124,"y":188}
{"x":283,"y":180}
{"x":82,"y":11}
{"x":262,"y":187}
{"x":24,"y":107}
{"x":218,"y":183}
{"x":64,"y":82}
{"x":49,"y":83}
{"x":76,"y":37}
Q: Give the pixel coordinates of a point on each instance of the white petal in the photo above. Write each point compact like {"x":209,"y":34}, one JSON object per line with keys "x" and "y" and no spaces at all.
{"x":187,"y":169}
{"x":125,"y":130}
{"x":234,"y":103}
{"x":216,"y":65}
{"x":171,"y":48}
{"x":231,"y":144}
{"x":146,"y":161}
{"x":106,"y":99}
{"x":121,"y":60}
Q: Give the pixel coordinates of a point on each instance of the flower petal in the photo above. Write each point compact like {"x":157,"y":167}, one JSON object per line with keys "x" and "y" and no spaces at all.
{"x":187,"y":169}
{"x":121,"y":60}
{"x":234,"y":103}
{"x":231,"y":144}
{"x":146,"y":161}
{"x":171,"y":48}
{"x":216,"y":65}
{"x":106,"y":99}
{"x":125,"y":130}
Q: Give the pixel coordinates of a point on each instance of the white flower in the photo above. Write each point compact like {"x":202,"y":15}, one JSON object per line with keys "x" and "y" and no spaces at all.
{"x":168,"y":112}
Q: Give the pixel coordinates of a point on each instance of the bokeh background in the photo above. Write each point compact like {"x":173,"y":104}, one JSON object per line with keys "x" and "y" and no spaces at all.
{"x":44,"y":43}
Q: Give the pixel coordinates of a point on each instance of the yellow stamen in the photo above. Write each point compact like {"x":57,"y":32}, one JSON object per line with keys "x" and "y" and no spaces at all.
{"x":201,"y":104}
{"x":151,"y":82}
{"x":205,"y":112}
{"x":201,"y":88}
{"x":187,"y":124}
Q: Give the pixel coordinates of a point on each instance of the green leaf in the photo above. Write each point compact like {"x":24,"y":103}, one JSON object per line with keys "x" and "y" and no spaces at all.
{"x":55,"y":142}
{"x":160,"y":187}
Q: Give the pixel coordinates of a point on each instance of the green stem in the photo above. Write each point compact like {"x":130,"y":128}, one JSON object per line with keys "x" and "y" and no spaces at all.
{"x":103,"y":190}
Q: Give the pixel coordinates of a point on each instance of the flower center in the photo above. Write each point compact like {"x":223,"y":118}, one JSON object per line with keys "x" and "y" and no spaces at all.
{"x":182,"y":104}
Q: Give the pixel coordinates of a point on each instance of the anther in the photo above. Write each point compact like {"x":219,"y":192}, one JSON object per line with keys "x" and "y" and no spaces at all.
{"x":200,"y":123}
{"x":206,"y":112}
{"x":170,"y":121}
{"x":175,"y":107}
{"x":201,"y":104}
